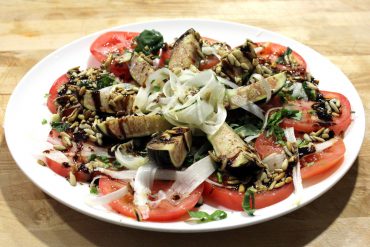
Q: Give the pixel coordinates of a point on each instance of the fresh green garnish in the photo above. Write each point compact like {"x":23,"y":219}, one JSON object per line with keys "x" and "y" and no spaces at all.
{"x":247,"y":130}
{"x":156,"y":88}
{"x":59,"y":126}
{"x":44,"y":121}
{"x":219,"y":177}
{"x":46,"y":95}
{"x":203,"y":217}
{"x":103,"y":159}
{"x":93,"y":190}
{"x":104,"y":81}
{"x":276,"y":118}
{"x":311,"y":93}
{"x":149,"y":42}
{"x":248,"y":204}
{"x":281,"y":59}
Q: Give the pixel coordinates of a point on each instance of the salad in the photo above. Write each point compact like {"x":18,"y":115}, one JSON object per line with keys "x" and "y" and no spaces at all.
{"x":158,"y":129}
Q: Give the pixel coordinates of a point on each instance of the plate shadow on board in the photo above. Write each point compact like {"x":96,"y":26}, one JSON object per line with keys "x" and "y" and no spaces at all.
{"x":311,"y":221}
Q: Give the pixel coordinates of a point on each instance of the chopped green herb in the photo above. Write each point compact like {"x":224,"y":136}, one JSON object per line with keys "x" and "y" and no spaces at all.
{"x":44,"y":121}
{"x":104,"y":81}
{"x":219,"y":177}
{"x":247,"y":130}
{"x":311,"y":93}
{"x":248,"y":204}
{"x":103,"y":159}
{"x":156,"y":88}
{"x":276,"y":118}
{"x":59,"y":126}
{"x":149,"y":42}
{"x":203,"y":217}
{"x":46,"y":95}
{"x":94,"y":190}
{"x":281,"y":59}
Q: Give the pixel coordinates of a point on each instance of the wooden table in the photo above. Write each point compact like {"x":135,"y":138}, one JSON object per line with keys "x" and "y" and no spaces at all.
{"x":338,"y":29}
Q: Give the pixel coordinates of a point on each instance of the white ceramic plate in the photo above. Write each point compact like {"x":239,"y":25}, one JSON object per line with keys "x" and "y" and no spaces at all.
{"x":26,"y":109}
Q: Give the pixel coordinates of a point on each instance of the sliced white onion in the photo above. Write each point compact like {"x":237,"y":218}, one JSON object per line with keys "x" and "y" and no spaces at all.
{"x":248,"y":106}
{"x":161,"y":174}
{"x":193,"y":176}
{"x":265,"y":85}
{"x":143,"y":182}
{"x":209,"y":50}
{"x":274,"y":161}
{"x":103,"y":200}
{"x":227,"y":82}
{"x":298,"y":91}
{"x":57,"y":156}
{"x":296,"y":174}
{"x":130,"y":161}
{"x":324,"y":145}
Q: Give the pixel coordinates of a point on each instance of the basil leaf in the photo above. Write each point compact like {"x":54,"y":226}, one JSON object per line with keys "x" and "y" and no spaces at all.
{"x":202,"y":217}
{"x":149,"y":42}
{"x":248,"y":204}
{"x":59,"y":126}
{"x":218,"y":215}
{"x":276,"y":118}
{"x":93,"y":190}
{"x":104,"y":81}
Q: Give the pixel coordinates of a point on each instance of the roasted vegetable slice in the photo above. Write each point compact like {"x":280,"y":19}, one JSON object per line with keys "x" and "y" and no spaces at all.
{"x":232,"y":151}
{"x":133,"y":126}
{"x":114,"y":99}
{"x":253,"y":92}
{"x":238,"y":65}
{"x":186,"y":51}
{"x":140,"y":68}
{"x":171,"y":147}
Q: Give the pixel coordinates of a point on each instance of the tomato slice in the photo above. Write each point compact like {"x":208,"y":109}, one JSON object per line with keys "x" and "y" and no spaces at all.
{"x":209,"y":62}
{"x":165,"y":210}
{"x":266,"y":145}
{"x":53,"y":92}
{"x":233,"y":199}
{"x":318,"y":163}
{"x":272,"y":51}
{"x":309,"y":122}
{"x":112,"y":42}
{"x":165,"y":55}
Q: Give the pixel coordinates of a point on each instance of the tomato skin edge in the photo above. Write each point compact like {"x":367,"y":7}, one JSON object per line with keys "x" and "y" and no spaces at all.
{"x":233,"y":199}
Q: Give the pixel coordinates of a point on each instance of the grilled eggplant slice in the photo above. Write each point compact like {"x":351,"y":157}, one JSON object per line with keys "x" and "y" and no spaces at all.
{"x":114,"y":99}
{"x":253,"y":92}
{"x":170,"y":148}
{"x":238,"y":65}
{"x":133,"y":126}
{"x":140,"y":68}
{"x":233,"y":153}
{"x":186,"y":51}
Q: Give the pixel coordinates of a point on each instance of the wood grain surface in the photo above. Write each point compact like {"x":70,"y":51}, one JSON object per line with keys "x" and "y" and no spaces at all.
{"x":338,"y":29}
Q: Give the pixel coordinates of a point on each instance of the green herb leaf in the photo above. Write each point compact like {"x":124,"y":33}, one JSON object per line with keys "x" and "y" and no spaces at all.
{"x":248,"y":204}
{"x":219,"y":177}
{"x":156,"y":88}
{"x":59,"y":126}
{"x":247,"y":130}
{"x":149,"y":42}
{"x":46,"y":95}
{"x":104,"y":81}
{"x":281,"y":59}
{"x":202,"y":217}
{"x":44,"y":121}
{"x":276,"y":118}
{"x":93,"y":190}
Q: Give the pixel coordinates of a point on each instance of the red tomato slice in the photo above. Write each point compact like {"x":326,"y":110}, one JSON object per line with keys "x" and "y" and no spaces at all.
{"x":266,"y":146}
{"x":165,"y":55}
{"x":53,"y":92}
{"x":271,"y":52}
{"x":209,"y":62}
{"x":58,"y":167}
{"x":318,"y":163}
{"x":311,"y":122}
{"x":233,"y":199}
{"x":165,"y":211}
{"x":112,"y":42}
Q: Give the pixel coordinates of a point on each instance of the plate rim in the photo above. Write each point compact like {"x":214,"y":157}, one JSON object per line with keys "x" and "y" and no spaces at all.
{"x":196,"y":229}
